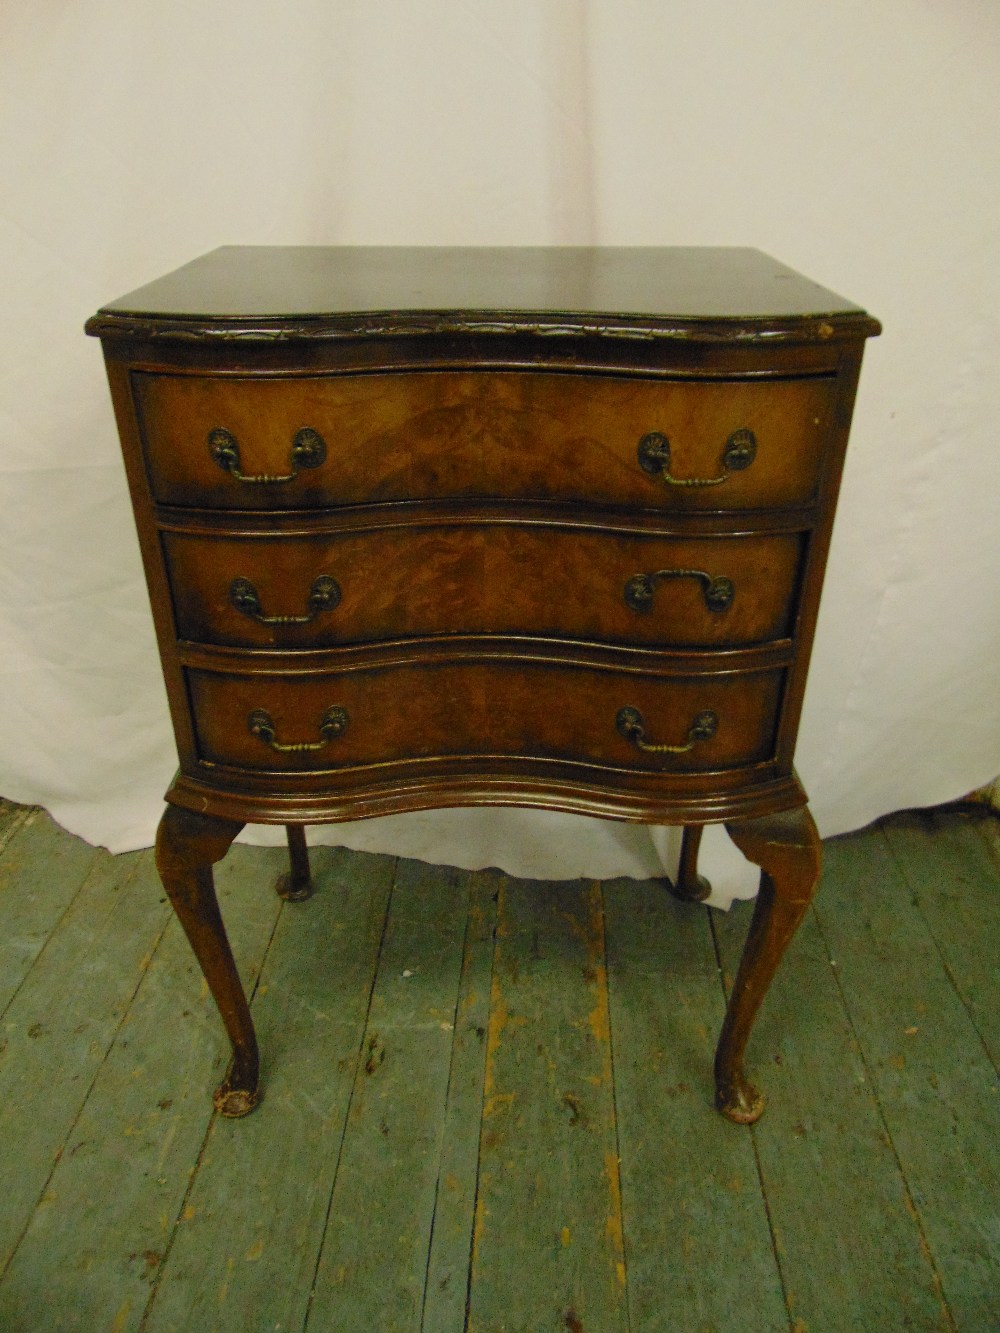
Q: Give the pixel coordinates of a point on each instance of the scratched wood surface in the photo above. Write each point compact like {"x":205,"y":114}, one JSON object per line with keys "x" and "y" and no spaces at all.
{"x":488,"y":1100}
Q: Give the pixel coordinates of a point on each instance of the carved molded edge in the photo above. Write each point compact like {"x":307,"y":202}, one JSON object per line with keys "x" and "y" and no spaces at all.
{"x":369,"y":799}
{"x":559,"y":515}
{"x":477,"y":649}
{"x":809,"y":329}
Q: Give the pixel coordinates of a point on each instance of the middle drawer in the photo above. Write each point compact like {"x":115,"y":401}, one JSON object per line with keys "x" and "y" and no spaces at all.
{"x":319,"y":590}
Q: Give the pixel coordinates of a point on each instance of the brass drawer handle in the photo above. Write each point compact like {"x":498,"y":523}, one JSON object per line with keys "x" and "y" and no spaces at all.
{"x":308,"y":450}
{"x":332,"y":724}
{"x":324,"y":595}
{"x":717,"y":590}
{"x":630,"y":724}
{"x":654,"y":457}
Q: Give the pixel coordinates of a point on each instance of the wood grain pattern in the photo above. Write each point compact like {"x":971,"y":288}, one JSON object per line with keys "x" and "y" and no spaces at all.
{"x":242,"y":1257}
{"x":117,"y":1197}
{"x":446,"y":1284}
{"x":696,"y":1230}
{"x":841,"y":1214}
{"x":187,"y":846}
{"x":910,"y":1022}
{"x":786,"y":847}
{"x":512,"y":435}
{"x":876,"y":1159}
{"x":498,"y":578}
{"x":40,"y":874}
{"x":425,"y":712}
{"x":695,"y":367}
{"x":954,"y":882}
{"x":61,"y":1023}
{"x":483,"y":483}
{"x":556,"y":1220}
{"x":12,"y":816}
{"x":374,"y":1276}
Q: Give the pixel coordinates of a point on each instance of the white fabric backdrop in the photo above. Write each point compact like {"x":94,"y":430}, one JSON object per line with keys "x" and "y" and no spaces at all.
{"x":856,"y":141}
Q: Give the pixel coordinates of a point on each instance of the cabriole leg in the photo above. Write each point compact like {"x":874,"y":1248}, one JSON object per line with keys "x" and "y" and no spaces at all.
{"x":690,"y":887}
{"x":297,"y":885}
{"x":187,"y":846}
{"x":787,"y":849}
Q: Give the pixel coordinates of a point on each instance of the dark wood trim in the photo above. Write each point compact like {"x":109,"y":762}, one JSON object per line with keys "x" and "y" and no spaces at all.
{"x":251,"y":761}
{"x":825,"y":329}
{"x":281,"y":523}
{"x":646,"y":800}
{"x":187,"y":846}
{"x":641,"y":357}
{"x":472,"y":649}
{"x":785,"y":844}
{"x":161,"y":601}
{"x":814,"y":569}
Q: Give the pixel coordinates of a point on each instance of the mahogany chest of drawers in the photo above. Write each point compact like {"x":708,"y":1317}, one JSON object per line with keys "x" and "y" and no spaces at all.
{"x":450,"y":527}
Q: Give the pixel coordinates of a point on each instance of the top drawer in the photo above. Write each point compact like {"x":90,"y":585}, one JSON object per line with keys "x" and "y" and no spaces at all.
{"x":308,"y":441}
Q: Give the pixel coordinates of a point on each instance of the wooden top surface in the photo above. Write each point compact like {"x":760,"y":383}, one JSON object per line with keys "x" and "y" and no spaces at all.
{"x":574,"y":284}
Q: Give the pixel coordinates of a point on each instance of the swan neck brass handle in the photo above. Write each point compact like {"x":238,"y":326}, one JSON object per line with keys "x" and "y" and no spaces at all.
{"x":738,"y":453}
{"x":333,"y":723}
{"x":717,"y":590}
{"x":324,"y":595}
{"x":631,"y":725}
{"x":308,"y":451}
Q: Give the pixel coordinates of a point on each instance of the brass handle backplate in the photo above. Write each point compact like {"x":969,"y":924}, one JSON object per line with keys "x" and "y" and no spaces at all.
{"x":333,"y":723}
{"x":654,"y":457}
{"x":308,"y":451}
{"x":324,"y":595}
{"x":631,"y":725}
{"x":717,"y":590}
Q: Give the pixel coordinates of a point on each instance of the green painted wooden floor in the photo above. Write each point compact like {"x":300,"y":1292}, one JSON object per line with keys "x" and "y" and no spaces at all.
{"x":488,"y":1101}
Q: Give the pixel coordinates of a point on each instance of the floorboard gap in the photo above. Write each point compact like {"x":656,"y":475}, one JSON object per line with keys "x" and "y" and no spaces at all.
{"x":350,"y":1100}
{"x":614,"y":1096}
{"x":911,"y":1206}
{"x":16,"y":821}
{"x":726,"y":985}
{"x":90,"y":1087}
{"x":54,"y":928}
{"x":162,"y":1266}
{"x":447,"y":1095}
{"x":479,"y":1154}
{"x":946,"y":967}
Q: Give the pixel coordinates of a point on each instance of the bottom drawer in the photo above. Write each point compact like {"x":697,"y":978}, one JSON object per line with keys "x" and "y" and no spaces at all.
{"x":422,"y":711}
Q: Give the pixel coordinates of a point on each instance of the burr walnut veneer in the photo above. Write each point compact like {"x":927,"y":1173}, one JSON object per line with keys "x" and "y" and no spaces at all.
{"x":485,"y":527}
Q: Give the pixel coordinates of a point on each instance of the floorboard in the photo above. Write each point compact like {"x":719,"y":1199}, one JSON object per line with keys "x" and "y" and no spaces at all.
{"x":12,"y":817}
{"x":953,"y":879}
{"x":60,"y":1025}
{"x":697,"y":1240}
{"x":102,"y":1230}
{"x":548,"y":1248}
{"x":487,"y":1101}
{"x":245,"y":1257}
{"x":41,"y":872}
{"x":447,"y":1282}
{"x":373,"y":1265}
{"x":850,"y":1250}
{"x":935,"y":1086}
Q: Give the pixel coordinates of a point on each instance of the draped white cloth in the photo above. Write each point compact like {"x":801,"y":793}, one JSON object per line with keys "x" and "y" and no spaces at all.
{"x":856,"y":142}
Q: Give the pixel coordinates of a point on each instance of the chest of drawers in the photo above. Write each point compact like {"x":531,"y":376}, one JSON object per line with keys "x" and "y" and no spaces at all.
{"x":451,"y":527}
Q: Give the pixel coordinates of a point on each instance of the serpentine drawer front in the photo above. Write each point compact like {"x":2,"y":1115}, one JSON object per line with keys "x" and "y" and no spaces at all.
{"x":418,"y":712}
{"x":245,"y":443}
{"x":501,"y":578}
{"x":447,"y":527}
